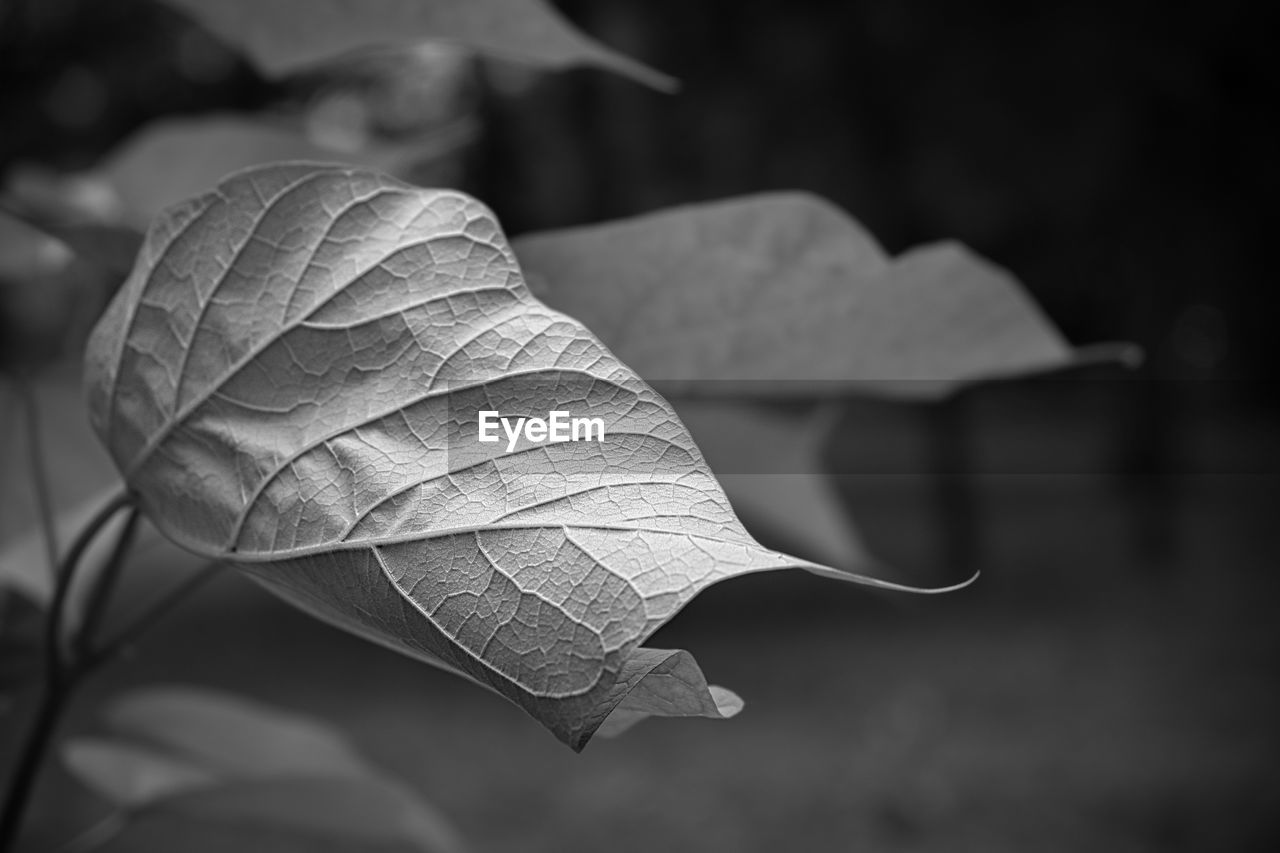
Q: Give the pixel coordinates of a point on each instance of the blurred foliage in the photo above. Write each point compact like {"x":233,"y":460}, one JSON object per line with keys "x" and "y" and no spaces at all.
{"x":1116,"y":157}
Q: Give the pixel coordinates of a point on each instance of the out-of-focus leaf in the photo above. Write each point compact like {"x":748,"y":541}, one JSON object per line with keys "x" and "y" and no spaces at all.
{"x":281,"y":36}
{"x":40,"y":290}
{"x":26,"y":251}
{"x":170,"y":160}
{"x":232,"y":764}
{"x":111,"y":247}
{"x":783,"y":294}
{"x":291,"y":381}
{"x":132,"y":776}
{"x":233,"y":736}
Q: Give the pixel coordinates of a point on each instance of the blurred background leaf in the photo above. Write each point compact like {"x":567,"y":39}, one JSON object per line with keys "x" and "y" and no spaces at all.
{"x":184,"y":762}
{"x":285,"y":35}
{"x":784,"y":295}
{"x":108,"y":246}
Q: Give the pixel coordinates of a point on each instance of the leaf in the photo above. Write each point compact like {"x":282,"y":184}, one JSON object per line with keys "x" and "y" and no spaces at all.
{"x":41,"y":289}
{"x":291,"y":381}
{"x":282,"y":36}
{"x":783,"y":294}
{"x":672,"y":686}
{"x":231,"y":736}
{"x":234,"y":764}
{"x":132,"y":777}
{"x":111,"y":247}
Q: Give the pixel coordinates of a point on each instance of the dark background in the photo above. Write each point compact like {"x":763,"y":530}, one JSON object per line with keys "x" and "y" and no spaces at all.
{"x":1109,"y":684}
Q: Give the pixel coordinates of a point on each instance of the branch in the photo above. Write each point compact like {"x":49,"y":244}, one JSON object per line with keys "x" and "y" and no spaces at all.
{"x":100,"y":595}
{"x":57,"y":685}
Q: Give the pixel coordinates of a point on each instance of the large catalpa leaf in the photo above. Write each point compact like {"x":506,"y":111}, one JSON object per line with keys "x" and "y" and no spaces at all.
{"x":282,"y":36}
{"x":783,"y":294}
{"x":291,"y":380}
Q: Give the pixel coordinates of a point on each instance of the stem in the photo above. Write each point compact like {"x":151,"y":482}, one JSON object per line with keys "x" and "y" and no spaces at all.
{"x":58,"y":685}
{"x":54,"y":657}
{"x":100,"y":596}
{"x":53,"y":699}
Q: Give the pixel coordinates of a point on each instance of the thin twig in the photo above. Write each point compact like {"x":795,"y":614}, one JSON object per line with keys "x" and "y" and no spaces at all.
{"x":57,"y":608}
{"x":100,"y":596}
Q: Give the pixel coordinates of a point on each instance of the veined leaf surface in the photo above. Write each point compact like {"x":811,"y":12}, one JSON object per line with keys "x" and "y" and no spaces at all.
{"x":291,"y":379}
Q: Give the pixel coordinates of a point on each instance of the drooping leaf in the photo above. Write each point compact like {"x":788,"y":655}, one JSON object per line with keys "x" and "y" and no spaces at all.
{"x":783,"y":294}
{"x":235,"y":766}
{"x":282,"y":36}
{"x":291,"y":380}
